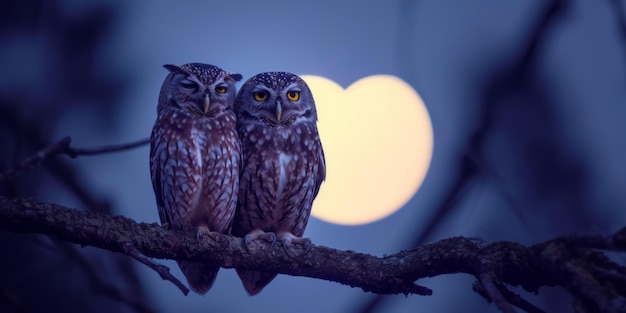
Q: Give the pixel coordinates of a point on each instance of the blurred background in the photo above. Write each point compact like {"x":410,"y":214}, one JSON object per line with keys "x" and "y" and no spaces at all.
{"x":527,"y":101}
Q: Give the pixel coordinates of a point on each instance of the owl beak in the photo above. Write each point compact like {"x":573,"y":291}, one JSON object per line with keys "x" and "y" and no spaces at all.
{"x":279,"y":110}
{"x":207,"y":102}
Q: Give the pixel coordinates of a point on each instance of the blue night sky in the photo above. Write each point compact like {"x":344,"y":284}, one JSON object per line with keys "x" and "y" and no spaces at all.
{"x":446,"y":50}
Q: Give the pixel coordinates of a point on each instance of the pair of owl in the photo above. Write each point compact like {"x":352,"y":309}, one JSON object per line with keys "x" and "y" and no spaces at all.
{"x":249,"y":163}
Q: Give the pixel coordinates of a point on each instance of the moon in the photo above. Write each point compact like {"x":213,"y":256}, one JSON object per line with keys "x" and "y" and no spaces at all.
{"x":378,"y":141}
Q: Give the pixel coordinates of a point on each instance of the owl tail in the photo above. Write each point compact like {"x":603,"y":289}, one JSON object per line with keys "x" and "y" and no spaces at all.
{"x":255,"y":281}
{"x":200,"y":276}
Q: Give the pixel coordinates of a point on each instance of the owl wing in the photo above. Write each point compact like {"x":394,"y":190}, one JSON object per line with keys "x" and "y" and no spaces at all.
{"x":156,"y":170}
{"x":321,"y":167}
{"x":300,"y":204}
{"x":175,"y":174}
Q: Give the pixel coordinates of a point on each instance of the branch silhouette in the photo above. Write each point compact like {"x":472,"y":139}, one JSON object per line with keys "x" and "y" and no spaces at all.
{"x":572,"y":262}
{"x":576,"y":263}
{"x":63,"y":147}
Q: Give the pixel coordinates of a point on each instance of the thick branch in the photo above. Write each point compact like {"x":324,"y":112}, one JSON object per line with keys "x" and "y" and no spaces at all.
{"x":557,"y":262}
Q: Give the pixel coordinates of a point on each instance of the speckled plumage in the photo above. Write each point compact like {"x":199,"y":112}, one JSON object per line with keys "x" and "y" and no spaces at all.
{"x":283,"y":164}
{"x":195,"y":157}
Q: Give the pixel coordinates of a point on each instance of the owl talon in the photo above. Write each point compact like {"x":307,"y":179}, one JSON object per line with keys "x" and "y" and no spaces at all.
{"x":272,"y":240}
{"x":205,"y":231}
{"x":308,"y":245}
{"x":259,"y":234}
{"x":246,"y":242}
{"x":287,"y":239}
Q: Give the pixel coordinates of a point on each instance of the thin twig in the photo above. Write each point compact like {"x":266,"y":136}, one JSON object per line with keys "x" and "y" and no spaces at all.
{"x":587,"y":288}
{"x":63,"y":147}
{"x":518,"y":301}
{"x":510,"y":297}
{"x":99,"y":285}
{"x":617,"y":279}
{"x":487,"y":281}
{"x":74,"y":152}
{"x":33,"y":160}
{"x":67,"y":175}
{"x":421,"y":290}
{"x":611,"y":243}
{"x":163,"y":270}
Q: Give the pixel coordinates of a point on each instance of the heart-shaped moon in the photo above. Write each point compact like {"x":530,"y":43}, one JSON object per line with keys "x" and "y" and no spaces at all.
{"x":378,"y":142}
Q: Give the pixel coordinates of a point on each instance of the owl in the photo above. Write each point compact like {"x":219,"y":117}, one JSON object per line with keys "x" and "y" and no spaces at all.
{"x":283,"y":164}
{"x":195,"y":157}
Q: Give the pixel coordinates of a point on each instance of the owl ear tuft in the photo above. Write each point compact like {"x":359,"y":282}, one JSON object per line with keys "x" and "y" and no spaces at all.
{"x":172,"y":68}
{"x":236,"y":76}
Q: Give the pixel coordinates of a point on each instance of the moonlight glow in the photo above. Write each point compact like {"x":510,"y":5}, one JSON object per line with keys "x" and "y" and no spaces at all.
{"x":378,"y":142}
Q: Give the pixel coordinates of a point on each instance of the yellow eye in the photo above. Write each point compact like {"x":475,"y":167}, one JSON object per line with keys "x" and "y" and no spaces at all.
{"x":220,"y":89}
{"x":260,"y":95}
{"x":293,"y":95}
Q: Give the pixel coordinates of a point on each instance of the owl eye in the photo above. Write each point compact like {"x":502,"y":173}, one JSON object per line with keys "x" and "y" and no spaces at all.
{"x":188,"y":84}
{"x":260,"y":95}
{"x":221,"y":89}
{"x":293,"y":95}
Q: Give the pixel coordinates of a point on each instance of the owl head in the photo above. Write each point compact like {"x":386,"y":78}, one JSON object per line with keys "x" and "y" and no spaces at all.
{"x":198,"y":89}
{"x":276,"y":98}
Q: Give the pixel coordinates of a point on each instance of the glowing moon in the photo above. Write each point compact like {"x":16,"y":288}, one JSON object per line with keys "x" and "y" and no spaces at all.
{"x":378,"y":141}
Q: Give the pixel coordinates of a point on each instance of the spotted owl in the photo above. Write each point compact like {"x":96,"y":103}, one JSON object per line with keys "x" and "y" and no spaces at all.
{"x":195,"y":157}
{"x":283,"y":164}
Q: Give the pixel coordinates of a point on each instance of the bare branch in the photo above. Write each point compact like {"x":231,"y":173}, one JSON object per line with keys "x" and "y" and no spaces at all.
{"x":63,"y":147}
{"x":115,"y":233}
{"x":492,"y":290}
{"x":161,"y":269}
{"x":74,"y":152}
{"x":99,"y":284}
{"x":518,"y":301}
{"x":33,"y":160}
{"x":35,"y":136}
{"x":558,"y":262}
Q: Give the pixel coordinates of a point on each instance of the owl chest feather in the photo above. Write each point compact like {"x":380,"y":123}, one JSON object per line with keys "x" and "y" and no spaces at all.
{"x":281,"y":165}
{"x":200,"y":169}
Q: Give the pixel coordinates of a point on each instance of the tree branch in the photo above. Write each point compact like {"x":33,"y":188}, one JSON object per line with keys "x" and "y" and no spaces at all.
{"x":161,"y":269}
{"x":98,"y":283}
{"x":32,"y":135}
{"x":74,"y":152}
{"x":63,"y":147}
{"x":571,"y":262}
